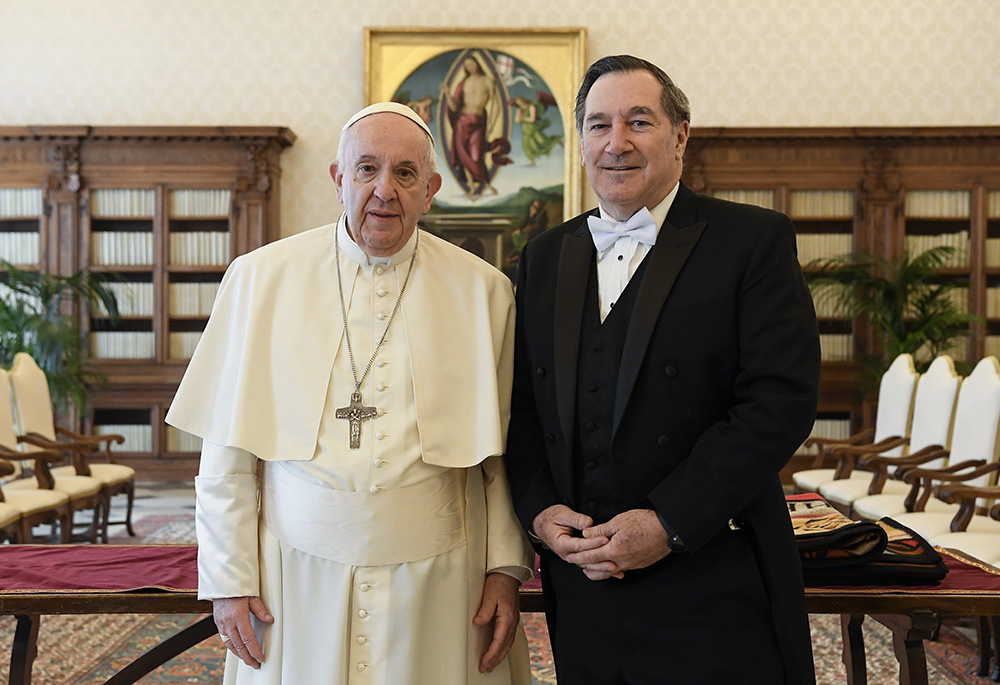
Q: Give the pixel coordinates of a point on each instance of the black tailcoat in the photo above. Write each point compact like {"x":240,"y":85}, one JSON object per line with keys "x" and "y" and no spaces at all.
{"x":717,"y":388}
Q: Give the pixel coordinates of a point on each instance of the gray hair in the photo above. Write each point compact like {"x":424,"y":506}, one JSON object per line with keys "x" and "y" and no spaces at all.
{"x":675,"y":102}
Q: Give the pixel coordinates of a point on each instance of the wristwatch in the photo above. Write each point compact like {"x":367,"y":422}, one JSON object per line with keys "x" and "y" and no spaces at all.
{"x":674,"y":541}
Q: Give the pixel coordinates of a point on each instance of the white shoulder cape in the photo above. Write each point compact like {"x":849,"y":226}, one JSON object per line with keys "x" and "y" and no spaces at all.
{"x":258,"y":379}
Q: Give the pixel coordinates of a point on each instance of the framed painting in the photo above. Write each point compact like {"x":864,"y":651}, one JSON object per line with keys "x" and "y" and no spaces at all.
{"x":500,"y":103}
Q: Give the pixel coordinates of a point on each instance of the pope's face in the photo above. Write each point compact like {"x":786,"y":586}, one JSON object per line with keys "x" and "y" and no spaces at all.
{"x":384,"y":181}
{"x":632,"y":151}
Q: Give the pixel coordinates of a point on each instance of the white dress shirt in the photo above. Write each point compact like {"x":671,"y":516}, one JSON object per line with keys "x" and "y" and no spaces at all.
{"x":617,"y":264}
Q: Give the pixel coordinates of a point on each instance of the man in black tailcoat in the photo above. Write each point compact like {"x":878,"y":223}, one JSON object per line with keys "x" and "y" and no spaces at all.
{"x":666,"y":369}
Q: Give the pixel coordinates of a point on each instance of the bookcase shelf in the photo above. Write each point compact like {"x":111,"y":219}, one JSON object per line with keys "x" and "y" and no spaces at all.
{"x":161,"y":211}
{"x":881,"y":190}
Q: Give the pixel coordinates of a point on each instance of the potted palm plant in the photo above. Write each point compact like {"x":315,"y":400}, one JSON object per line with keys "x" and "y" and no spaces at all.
{"x":908,"y":301}
{"x":35,"y":317}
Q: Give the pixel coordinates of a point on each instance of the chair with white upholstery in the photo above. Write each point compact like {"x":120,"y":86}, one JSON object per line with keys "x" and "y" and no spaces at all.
{"x":10,"y":516}
{"x":971,"y":459}
{"x":36,"y":424}
{"x":892,"y":423}
{"x":37,"y":501}
{"x":981,"y":542}
{"x":975,"y":533}
{"x":933,"y":407}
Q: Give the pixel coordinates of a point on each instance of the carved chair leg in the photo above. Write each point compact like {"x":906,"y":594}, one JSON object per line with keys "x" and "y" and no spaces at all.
{"x":95,"y":523}
{"x":66,"y":526}
{"x":854,"y":649}
{"x":128,"y":511}
{"x":106,"y":516}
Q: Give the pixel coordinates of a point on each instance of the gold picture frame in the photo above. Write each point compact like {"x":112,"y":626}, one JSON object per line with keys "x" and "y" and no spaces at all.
{"x":500,"y":102}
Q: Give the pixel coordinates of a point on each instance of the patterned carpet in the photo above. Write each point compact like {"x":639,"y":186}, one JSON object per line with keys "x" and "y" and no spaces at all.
{"x":86,"y":650}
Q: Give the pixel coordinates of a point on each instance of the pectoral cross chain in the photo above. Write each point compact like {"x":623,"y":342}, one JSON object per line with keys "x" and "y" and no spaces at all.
{"x":356,"y":412}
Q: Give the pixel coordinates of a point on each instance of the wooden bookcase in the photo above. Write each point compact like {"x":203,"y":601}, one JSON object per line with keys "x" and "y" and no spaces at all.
{"x":877,"y":189}
{"x":160,"y":210}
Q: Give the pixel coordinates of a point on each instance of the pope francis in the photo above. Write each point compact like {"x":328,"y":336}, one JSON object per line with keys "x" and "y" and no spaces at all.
{"x":352,"y":390}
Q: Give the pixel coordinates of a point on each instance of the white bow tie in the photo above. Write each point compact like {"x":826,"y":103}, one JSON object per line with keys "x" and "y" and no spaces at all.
{"x":640,"y":226}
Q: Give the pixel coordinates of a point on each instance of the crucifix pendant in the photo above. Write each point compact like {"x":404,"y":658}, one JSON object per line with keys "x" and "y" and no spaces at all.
{"x":356,"y":412}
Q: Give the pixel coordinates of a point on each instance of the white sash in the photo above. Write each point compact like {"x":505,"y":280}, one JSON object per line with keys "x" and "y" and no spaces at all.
{"x":390,"y":526}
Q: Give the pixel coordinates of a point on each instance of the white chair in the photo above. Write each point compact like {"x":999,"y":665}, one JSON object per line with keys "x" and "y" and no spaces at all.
{"x":38,"y":502}
{"x":933,"y":406}
{"x":36,"y":425}
{"x":892,"y":421}
{"x":10,"y":516}
{"x":983,"y":540}
{"x":972,"y":456}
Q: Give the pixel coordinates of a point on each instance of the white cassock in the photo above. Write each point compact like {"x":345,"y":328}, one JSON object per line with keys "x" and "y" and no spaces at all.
{"x":372,"y":560}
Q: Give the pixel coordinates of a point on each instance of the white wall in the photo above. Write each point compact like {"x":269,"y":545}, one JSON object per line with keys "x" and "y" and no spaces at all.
{"x":298,"y":63}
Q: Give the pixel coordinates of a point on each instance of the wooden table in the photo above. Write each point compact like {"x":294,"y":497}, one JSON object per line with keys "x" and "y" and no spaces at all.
{"x":911,"y":613}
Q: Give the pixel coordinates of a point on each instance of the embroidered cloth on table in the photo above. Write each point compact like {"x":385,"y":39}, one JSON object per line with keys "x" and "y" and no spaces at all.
{"x":836,"y":550}
{"x":965,"y":576}
{"x":98,"y":568}
{"x":390,"y":526}
{"x":827,"y":539}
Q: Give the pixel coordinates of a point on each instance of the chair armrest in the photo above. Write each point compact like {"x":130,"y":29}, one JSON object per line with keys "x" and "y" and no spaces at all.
{"x":42,"y":459}
{"x":76,"y":450}
{"x":921,"y":456}
{"x":956,"y":492}
{"x":873,"y":448}
{"x":848,"y":455}
{"x":107,"y":438}
{"x":952,"y":473}
{"x":965,"y":496}
{"x":45,"y":443}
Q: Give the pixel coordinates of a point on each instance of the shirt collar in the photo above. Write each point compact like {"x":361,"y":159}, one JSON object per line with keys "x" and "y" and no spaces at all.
{"x":356,"y":254}
{"x":659,"y":212}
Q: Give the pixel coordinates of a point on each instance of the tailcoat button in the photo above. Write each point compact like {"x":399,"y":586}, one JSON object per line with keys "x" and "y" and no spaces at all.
{"x":540,"y":372}
{"x":663,"y":441}
{"x":550,"y":438}
{"x":670,"y":371}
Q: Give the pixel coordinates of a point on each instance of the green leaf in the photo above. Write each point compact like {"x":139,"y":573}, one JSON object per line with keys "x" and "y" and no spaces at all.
{"x":35,"y":317}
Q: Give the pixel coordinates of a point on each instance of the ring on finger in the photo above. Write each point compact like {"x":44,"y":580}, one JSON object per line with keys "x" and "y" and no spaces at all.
{"x":225,"y":638}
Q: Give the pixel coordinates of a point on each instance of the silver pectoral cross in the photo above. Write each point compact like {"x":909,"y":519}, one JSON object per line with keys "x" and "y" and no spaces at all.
{"x":356,"y":412}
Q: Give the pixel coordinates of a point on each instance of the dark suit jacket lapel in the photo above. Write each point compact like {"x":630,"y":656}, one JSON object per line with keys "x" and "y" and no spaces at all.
{"x":571,"y":290}
{"x":674,"y":244}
